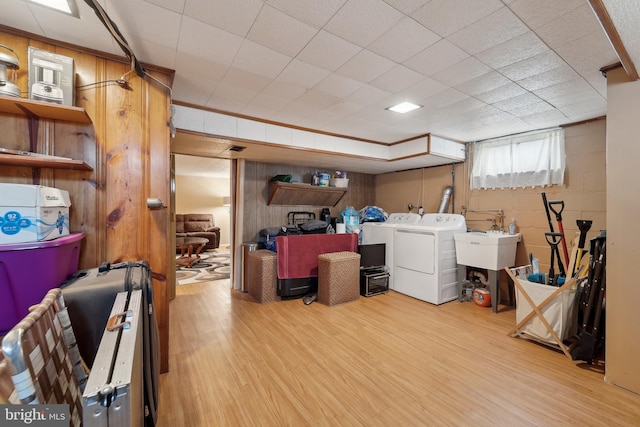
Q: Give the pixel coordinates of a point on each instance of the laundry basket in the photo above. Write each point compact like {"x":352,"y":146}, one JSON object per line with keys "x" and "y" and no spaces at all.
{"x":544,"y":313}
{"x":560,"y":312}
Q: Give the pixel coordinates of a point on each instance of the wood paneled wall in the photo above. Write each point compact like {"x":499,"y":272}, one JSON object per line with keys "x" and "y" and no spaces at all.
{"x":259,"y":215}
{"x":128,"y":147}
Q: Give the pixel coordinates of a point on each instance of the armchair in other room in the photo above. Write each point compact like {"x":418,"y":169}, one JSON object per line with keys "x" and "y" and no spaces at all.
{"x":198,"y":225}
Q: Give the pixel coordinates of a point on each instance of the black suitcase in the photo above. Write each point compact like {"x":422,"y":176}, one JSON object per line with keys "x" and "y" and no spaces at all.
{"x":89,"y":296}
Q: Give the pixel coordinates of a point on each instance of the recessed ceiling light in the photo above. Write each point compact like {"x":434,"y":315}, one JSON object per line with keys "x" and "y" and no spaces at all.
{"x":65,"y":6}
{"x":404,"y":107}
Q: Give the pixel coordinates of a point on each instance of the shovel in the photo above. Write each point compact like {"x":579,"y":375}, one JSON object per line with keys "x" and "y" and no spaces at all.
{"x":558,"y":214}
{"x":584,"y":226}
{"x":553,"y":239}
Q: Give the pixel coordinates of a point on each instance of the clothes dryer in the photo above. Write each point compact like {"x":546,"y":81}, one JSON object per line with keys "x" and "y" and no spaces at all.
{"x":383,"y":232}
{"x":425,"y":264}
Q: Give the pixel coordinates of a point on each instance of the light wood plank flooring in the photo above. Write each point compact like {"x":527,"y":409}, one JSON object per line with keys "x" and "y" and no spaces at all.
{"x":387,"y":360}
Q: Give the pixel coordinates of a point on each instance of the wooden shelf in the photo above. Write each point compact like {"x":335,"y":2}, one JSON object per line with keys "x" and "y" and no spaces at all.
{"x":43,"y":110}
{"x":43,"y":162}
{"x":293,"y":194}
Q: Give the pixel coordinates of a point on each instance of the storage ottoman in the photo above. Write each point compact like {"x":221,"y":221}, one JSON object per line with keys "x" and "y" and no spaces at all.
{"x":338,"y":277}
{"x":261,"y":276}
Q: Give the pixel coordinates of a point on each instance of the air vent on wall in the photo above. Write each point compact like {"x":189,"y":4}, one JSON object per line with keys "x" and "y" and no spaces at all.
{"x":236,"y":148}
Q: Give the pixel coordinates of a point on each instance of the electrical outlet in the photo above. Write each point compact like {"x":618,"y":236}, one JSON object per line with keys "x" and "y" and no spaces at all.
{"x":420,"y":210}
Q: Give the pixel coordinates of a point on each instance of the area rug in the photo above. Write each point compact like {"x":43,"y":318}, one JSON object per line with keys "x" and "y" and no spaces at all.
{"x":213,"y":265}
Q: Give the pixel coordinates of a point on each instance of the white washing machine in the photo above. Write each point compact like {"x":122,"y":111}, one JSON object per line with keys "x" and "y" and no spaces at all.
{"x":425,"y":264}
{"x":383,"y":232}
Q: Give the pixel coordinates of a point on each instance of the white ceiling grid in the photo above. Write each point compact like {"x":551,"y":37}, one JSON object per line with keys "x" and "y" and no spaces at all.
{"x":481,"y":68}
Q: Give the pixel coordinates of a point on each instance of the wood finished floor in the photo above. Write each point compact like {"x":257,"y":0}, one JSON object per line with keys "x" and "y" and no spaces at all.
{"x":387,"y":360}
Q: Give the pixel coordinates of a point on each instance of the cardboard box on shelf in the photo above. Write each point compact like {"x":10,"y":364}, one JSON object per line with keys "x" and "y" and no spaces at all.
{"x":51,"y":77}
{"x":32,"y":213}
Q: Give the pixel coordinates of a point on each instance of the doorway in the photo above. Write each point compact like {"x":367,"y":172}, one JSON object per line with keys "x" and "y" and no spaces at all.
{"x":203,"y":185}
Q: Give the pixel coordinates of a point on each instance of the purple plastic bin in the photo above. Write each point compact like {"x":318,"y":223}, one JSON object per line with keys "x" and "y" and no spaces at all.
{"x":29,"y":270}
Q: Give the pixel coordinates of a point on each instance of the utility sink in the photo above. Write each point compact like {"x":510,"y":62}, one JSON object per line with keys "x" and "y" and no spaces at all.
{"x":490,"y":250}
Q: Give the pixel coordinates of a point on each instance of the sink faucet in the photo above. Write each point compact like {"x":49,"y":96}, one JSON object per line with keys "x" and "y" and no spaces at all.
{"x":496,"y":213}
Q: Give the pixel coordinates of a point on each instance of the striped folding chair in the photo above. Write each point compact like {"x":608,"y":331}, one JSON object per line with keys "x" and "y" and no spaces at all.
{"x":43,"y":358}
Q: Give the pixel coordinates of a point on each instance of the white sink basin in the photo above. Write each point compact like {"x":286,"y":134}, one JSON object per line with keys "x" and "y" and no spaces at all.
{"x":493,"y":251}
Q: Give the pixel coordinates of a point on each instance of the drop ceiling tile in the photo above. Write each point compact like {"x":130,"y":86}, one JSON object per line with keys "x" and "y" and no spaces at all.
{"x":152,"y":53}
{"x":283,"y":90}
{"x":233,"y":16}
{"x":397,"y":79}
{"x":174,"y":5}
{"x":598,"y":82}
{"x":21,"y":16}
{"x":161,"y":25}
{"x":59,"y":26}
{"x":501,"y":93}
{"x":407,"y":6}
{"x":509,"y":104}
{"x":482,"y":34}
{"x":190,"y":88}
{"x":531,"y":66}
{"x":393,"y":44}
{"x":589,"y":53}
{"x":545,"y":119}
{"x":424,"y":89}
{"x":585,"y":109}
{"x":435,"y":58}
{"x":445,"y":17}
{"x":527,"y":110}
{"x":577,"y":23}
{"x":363,"y":21}
{"x":317,"y":98}
{"x":231,"y":98}
{"x":345,"y":108}
{"x":302,"y":74}
{"x":367,"y":95}
{"x":314,"y":12}
{"x":281,"y":32}
{"x":484,"y":83}
{"x":192,"y":34}
{"x":328,"y":51}
{"x":246,"y":80}
{"x":514,"y":50}
{"x":465,"y":70}
{"x":540,"y":12}
{"x":586,"y":95}
{"x":563,"y":89}
{"x":339,"y":86}
{"x":365,"y":66}
{"x":256,"y":58}
{"x":445,"y":98}
{"x":263,"y":103}
{"x":552,"y":77}
{"x":194,"y":66}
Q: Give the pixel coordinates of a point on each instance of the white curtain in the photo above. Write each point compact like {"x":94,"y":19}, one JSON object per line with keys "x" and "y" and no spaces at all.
{"x":527,"y":160}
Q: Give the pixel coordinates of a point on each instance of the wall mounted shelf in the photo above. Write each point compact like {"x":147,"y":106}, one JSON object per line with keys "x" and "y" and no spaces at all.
{"x":43,"y":162}
{"x":293,"y":194}
{"x":34,"y":111}
{"x":43,"y":110}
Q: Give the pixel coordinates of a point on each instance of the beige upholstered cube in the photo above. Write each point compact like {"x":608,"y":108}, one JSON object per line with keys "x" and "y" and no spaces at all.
{"x":338,"y":277}
{"x":262,"y":276}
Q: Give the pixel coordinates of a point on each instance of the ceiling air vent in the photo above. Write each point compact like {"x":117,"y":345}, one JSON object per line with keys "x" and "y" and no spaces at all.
{"x":236,"y":148}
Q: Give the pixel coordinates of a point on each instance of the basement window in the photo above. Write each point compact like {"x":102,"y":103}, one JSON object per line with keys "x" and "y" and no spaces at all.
{"x":519,"y":161}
